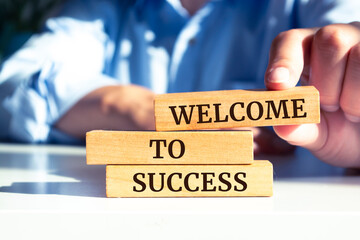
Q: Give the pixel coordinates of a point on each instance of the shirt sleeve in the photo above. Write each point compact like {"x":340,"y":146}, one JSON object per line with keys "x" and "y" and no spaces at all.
{"x":55,"y":69}
{"x":318,"y":13}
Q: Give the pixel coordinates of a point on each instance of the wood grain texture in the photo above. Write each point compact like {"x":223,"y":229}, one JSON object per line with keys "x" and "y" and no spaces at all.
{"x":199,"y":147}
{"x":236,"y":108}
{"x":190,"y":180}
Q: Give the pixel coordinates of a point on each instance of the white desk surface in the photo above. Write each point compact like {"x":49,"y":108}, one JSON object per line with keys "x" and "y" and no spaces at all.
{"x":48,"y":192}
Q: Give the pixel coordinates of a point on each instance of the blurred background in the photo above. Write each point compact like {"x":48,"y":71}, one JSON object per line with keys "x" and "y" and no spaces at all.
{"x":19,"y":19}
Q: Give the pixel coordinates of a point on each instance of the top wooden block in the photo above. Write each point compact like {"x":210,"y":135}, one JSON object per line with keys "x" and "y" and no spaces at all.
{"x":236,"y":108}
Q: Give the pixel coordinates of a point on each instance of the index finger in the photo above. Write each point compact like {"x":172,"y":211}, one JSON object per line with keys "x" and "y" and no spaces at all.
{"x":289,"y":53}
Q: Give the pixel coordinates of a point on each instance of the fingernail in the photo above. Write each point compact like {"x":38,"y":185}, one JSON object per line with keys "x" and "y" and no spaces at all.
{"x":279,"y":75}
{"x":352,"y":118}
{"x":330,"y":108}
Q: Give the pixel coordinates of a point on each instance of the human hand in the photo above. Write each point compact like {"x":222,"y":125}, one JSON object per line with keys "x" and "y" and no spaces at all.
{"x":128,"y":107}
{"x":329,"y":59}
{"x":134,"y":102}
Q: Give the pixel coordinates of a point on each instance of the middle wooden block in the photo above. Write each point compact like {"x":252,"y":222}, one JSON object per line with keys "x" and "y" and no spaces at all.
{"x":195,"y":147}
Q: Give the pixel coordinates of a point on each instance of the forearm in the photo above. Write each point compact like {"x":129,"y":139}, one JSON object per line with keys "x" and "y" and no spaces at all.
{"x":108,"y":108}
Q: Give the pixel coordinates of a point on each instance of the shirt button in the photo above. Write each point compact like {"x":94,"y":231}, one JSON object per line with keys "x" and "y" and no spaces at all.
{"x":192,"y":41}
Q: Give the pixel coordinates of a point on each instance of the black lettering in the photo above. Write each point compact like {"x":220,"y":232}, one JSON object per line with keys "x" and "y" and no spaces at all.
{"x":232,"y":114}
{"x":226,"y":182}
{"x":151,"y":182}
{"x":186,"y":182}
{"x":207,"y":181}
{"x":141,"y":183}
{"x":182,"y":113}
{"x":282,"y":104}
{"x":201,"y":113}
{"x":248,"y":110}
{"x":217,"y":114}
{"x":296,"y":108}
{"x":157,"y":141}
{"x":238,"y":180}
{"x":169,"y":182}
{"x":182,"y":148}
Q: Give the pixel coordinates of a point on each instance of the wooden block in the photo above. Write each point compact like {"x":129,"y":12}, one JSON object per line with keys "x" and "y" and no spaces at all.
{"x":189,"y":180}
{"x":236,"y":108}
{"x":200,"y":147}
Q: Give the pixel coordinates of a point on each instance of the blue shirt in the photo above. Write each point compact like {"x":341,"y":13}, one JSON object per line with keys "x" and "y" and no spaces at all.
{"x":153,"y":43}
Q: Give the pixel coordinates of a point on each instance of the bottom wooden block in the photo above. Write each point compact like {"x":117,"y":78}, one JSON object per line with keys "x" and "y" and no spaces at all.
{"x":190,"y":180}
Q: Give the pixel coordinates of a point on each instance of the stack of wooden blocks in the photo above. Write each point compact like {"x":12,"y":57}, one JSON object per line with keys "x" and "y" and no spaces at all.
{"x":175,"y":163}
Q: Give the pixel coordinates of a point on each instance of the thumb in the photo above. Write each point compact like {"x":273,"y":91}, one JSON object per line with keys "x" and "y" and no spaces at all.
{"x":310,"y":136}
{"x":289,"y":53}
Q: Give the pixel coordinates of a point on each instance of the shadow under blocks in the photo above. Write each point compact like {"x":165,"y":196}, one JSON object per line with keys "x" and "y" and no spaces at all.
{"x":76,"y":178}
